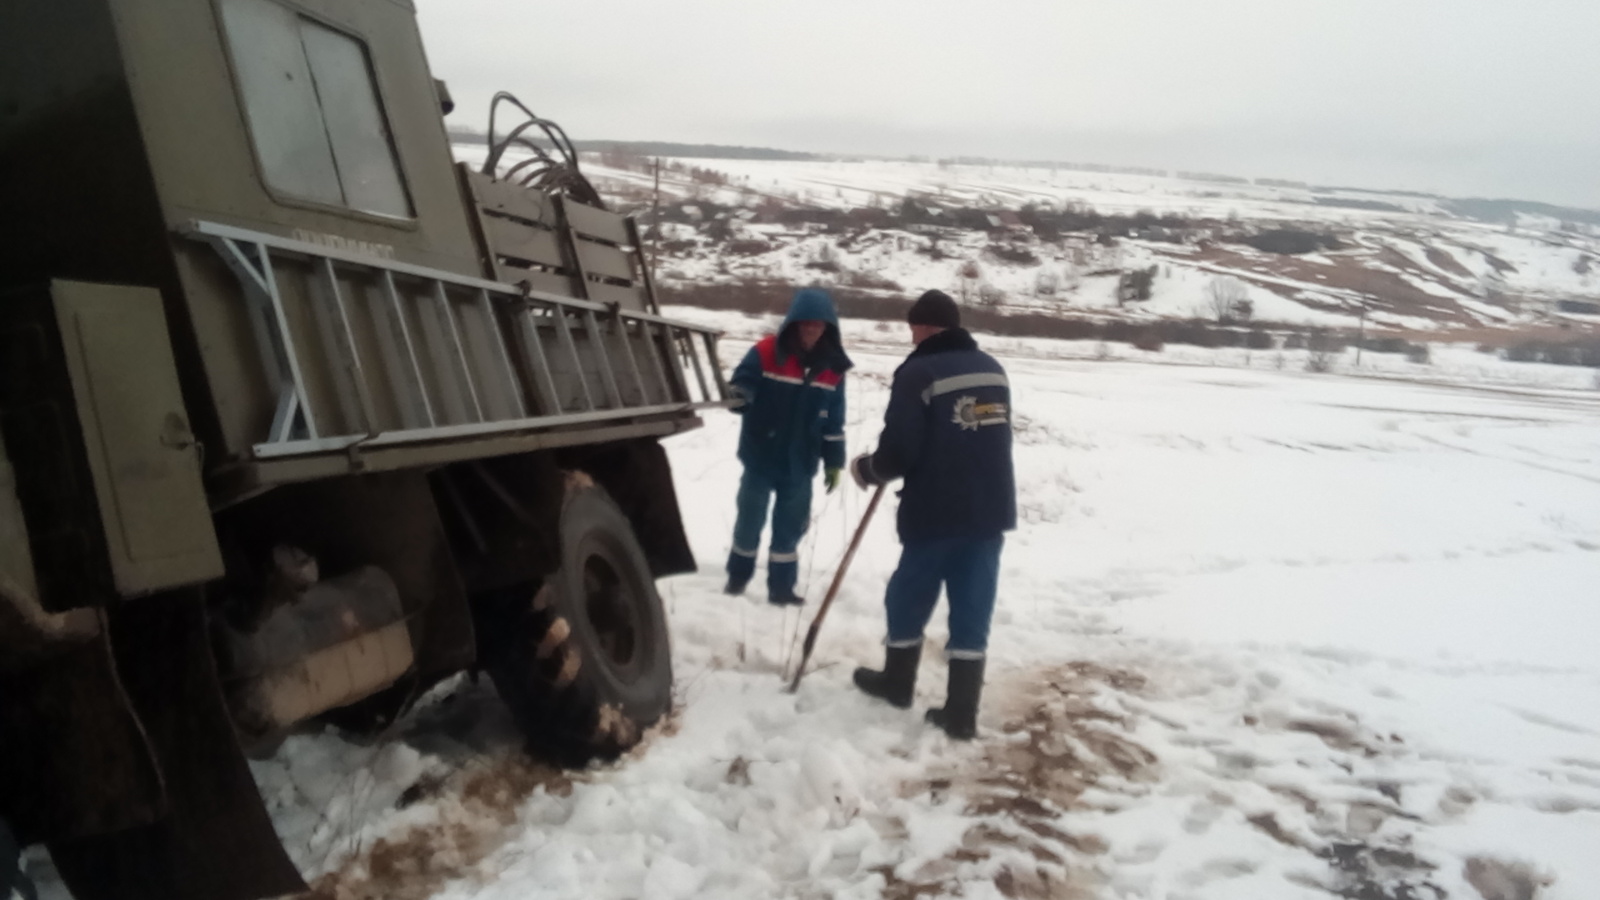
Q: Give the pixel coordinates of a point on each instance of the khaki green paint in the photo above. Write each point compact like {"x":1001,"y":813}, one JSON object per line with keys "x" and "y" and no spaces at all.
{"x":143,"y":458}
{"x":16,"y":556}
{"x":203,"y":164}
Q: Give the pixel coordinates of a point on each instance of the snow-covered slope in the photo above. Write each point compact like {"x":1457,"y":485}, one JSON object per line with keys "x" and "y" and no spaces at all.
{"x":1261,"y":634}
{"x":1407,"y":261}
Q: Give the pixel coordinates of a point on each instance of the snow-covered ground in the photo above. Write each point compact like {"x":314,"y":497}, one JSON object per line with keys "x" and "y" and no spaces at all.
{"x":1262,"y":634}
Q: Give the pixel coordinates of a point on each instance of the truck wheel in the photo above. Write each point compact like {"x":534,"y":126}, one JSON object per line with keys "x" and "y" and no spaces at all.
{"x":589,"y":666}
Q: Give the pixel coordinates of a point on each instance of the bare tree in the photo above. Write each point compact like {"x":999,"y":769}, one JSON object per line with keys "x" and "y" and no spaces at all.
{"x":1046,"y":283}
{"x":1224,"y":295}
{"x":1070,"y":279}
{"x":970,"y":275}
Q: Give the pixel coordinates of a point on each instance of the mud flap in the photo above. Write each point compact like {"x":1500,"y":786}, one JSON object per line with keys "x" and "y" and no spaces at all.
{"x":216,"y":841}
{"x":638,"y":476}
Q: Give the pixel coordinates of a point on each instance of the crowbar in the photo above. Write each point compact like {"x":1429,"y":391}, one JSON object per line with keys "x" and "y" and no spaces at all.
{"x":833,"y":589}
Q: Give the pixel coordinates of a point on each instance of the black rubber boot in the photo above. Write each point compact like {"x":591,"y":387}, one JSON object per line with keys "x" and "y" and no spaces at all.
{"x":741,"y":568}
{"x":785,"y":597}
{"x":959,"y":715}
{"x":897,"y":682}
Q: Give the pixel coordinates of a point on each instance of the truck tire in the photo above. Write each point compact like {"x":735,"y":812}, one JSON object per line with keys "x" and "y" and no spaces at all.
{"x":588,"y":666}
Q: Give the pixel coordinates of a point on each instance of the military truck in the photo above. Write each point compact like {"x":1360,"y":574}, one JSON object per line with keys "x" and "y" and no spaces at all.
{"x":299,"y":417}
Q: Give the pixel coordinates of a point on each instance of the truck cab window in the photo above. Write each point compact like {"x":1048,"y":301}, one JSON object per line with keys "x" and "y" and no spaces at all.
{"x":313,"y":109}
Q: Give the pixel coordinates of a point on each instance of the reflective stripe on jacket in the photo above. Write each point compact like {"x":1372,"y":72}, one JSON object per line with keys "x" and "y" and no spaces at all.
{"x":791,"y":420}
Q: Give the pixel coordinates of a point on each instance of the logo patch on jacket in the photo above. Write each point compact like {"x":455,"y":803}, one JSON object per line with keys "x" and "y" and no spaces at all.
{"x":970,"y":414}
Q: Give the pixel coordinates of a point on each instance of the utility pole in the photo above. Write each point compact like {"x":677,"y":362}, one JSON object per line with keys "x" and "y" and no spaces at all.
{"x":655,"y":217}
{"x":1361,"y":334}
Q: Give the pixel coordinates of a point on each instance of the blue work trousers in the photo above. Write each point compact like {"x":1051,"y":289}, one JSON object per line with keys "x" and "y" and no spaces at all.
{"x":791,"y":514}
{"x":968,"y":569}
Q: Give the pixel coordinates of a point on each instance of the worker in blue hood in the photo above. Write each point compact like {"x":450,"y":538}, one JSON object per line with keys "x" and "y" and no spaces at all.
{"x":792,"y":383}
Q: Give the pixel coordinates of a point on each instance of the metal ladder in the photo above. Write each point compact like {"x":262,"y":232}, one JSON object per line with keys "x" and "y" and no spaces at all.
{"x":458,"y":357}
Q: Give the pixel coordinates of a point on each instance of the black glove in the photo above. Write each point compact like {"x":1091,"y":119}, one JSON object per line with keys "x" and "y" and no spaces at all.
{"x":861,"y":471}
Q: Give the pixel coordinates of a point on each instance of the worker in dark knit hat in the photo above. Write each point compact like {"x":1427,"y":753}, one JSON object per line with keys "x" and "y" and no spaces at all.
{"x":947,"y":432}
{"x":935,"y":309}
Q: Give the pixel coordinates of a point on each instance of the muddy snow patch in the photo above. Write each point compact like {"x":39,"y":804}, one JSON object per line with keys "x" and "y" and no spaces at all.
{"x":1104,"y":781}
{"x":1057,"y":739}
{"x":458,"y":821}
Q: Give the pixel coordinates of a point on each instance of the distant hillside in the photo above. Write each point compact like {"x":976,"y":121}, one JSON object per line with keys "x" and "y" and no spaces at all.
{"x":1480,"y":209}
{"x":661,"y":148}
{"x":1485,"y":210}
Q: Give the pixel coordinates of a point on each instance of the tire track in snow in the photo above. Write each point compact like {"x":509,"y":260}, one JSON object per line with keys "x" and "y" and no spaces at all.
{"x":1200,"y":780}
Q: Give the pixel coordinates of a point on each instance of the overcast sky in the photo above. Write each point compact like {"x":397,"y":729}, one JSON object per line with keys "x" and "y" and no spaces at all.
{"x":1463,"y":97}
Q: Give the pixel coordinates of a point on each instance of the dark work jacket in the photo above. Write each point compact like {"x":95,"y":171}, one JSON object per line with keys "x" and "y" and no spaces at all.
{"x":947,"y":432}
{"x":794,"y":401}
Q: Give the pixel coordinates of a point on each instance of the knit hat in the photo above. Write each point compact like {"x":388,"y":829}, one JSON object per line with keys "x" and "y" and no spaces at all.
{"x":935,"y":308}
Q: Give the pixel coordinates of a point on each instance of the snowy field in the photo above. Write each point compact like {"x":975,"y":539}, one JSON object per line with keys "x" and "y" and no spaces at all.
{"x":1261,"y":634}
{"x":1410,"y":264}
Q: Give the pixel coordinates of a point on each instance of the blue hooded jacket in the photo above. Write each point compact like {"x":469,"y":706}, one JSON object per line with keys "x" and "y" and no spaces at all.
{"x":794,"y":400}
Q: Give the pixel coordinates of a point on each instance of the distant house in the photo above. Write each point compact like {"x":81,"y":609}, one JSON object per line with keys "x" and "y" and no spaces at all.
{"x":868,"y":217}
{"x":1159,"y":233}
{"x":1078,"y":249}
{"x":1007,"y":224}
